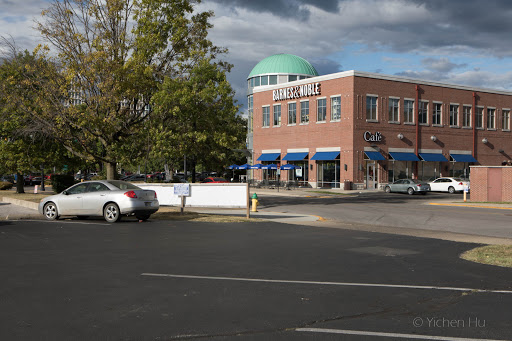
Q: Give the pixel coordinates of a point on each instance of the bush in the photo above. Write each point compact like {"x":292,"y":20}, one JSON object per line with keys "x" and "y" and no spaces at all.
{"x":5,"y":185}
{"x":61,"y":181}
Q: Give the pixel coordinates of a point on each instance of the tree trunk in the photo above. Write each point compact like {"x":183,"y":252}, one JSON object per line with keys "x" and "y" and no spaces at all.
{"x":111,"y":170}
{"x":20,"y":183}
{"x":194,"y":171}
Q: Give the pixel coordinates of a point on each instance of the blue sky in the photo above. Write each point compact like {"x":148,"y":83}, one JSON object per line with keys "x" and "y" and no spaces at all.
{"x":463,"y":42}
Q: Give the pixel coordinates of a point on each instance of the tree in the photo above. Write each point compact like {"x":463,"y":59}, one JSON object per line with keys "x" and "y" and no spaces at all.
{"x":197,"y":112}
{"x":24,"y":145}
{"x":112,"y":57}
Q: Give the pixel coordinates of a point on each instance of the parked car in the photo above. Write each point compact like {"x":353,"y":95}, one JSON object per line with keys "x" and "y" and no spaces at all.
{"x":7,"y":178}
{"x":450,"y":185}
{"x":135,"y":177}
{"x":212,"y":180}
{"x":108,"y":198}
{"x":409,"y":186}
{"x":31,"y":180}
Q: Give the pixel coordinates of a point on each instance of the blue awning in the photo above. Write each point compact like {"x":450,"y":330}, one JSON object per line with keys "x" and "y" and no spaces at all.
{"x":325,"y":156}
{"x":463,"y":158}
{"x":233,"y":167}
{"x":433,"y":157}
{"x":404,"y":156}
{"x":244,"y":166}
{"x":256,"y":166}
{"x":295,"y":156}
{"x":269,"y":157}
{"x":376,"y":156}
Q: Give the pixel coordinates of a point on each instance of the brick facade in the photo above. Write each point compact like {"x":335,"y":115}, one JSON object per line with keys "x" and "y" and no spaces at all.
{"x":347,"y":133}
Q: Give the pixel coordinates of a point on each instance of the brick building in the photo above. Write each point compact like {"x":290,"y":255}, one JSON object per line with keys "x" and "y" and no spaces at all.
{"x":371,"y":129}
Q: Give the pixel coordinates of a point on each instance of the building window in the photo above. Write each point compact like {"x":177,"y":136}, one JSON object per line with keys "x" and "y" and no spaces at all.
{"x":304,"y":112}
{"x":266,"y":116}
{"x":321,"y":110}
{"x":394,"y":110}
{"x":277,"y":115}
{"x":292,"y":78}
{"x":371,"y":108}
{"x":479,"y":118}
{"x":436,"y":114}
{"x":264,"y":80}
{"x":506,"y":119}
{"x":454,"y":115}
{"x":423,"y":113}
{"x":257,"y":81}
{"x":408,"y":111}
{"x":466,"y":116}
{"x":272,"y":79}
{"x":336,"y":108}
{"x":292,"y":113}
{"x":491,"y":116}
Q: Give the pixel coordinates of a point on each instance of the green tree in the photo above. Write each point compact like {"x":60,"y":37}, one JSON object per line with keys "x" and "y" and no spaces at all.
{"x":24,"y":144}
{"x":112,"y":57}
{"x":197,"y":117}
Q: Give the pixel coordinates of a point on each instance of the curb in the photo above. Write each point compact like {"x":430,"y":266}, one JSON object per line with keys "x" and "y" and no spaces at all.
{"x":470,"y":205}
{"x":22,"y":203}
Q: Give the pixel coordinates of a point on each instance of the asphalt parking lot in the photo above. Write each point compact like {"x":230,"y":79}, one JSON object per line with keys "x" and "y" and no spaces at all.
{"x":164,"y":280}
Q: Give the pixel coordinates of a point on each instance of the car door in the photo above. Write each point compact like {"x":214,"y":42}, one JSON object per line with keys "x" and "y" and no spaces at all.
{"x":436,"y":185}
{"x":71,"y":202}
{"x":95,"y":198}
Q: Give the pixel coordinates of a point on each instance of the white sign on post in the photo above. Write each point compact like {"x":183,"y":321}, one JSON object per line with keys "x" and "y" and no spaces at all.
{"x":182,"y":190}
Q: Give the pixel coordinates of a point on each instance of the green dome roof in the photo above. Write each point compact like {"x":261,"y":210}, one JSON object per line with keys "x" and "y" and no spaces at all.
{"x":283,"y":63}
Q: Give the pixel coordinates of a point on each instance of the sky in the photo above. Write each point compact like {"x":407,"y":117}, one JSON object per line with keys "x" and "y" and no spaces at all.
{"x":466,"y":42}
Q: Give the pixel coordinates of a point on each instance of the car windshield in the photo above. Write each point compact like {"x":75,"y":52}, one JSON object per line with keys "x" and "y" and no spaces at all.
{"x":122,"y":184}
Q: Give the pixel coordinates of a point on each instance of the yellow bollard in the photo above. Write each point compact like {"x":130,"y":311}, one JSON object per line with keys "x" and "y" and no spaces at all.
{"x":254,"y":203}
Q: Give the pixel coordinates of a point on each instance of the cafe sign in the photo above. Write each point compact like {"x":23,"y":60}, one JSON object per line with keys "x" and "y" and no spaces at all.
{"x":369,"y":137}
{"x":296,"y":92}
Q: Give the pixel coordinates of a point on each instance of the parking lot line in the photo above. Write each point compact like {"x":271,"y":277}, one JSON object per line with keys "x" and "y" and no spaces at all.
{"x":380,"y":285}
{"x":393,"y":335}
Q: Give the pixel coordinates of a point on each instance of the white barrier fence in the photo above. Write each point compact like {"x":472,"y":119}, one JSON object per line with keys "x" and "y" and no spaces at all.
{"x":203,"y":195}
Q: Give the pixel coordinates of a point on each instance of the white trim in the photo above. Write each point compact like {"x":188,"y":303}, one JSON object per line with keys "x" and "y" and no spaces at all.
{"x":297,"y":150}
{"x":338,"y":95}
{"x":268,"y":151}
{"x":393,"y":97}
{"x":400,"y":150}
{"x":464,"y":152}
{"x":431,"y":151}
{"x":324,"y":97}
{"x":329,"y":149}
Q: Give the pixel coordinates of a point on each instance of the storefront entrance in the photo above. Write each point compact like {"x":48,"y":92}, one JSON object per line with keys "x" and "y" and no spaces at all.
{"x":371,"y":181}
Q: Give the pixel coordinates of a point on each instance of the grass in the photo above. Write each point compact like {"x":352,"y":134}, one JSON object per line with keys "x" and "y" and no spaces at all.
{"x":500,"y":255}
{"x":172,"y":213}
{"x":24,"y":196}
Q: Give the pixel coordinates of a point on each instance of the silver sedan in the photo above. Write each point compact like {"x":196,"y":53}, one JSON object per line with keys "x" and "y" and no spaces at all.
{"x":409,"y":186}
{"x":108,"y":198}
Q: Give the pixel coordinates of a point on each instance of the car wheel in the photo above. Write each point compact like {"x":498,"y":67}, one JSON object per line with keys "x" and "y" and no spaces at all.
{"x":451,"y":190}
{"x":111,"y":213}
{"x":410,"y":191}
{"x":143,"y":217}
{"x":50,"y":211}
{"x":387,"y":189}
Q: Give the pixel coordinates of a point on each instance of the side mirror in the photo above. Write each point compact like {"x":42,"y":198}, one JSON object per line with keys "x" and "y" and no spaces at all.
{"x":64,"y":192}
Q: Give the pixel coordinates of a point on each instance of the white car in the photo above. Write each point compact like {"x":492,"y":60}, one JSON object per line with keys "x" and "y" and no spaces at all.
{"x":108,"y":198}
{"x":450,"y":185}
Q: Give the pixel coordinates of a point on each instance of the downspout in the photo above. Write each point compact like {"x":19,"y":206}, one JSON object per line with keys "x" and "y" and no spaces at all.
{"x":416,"y":149}
{"x":474,"y":124}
